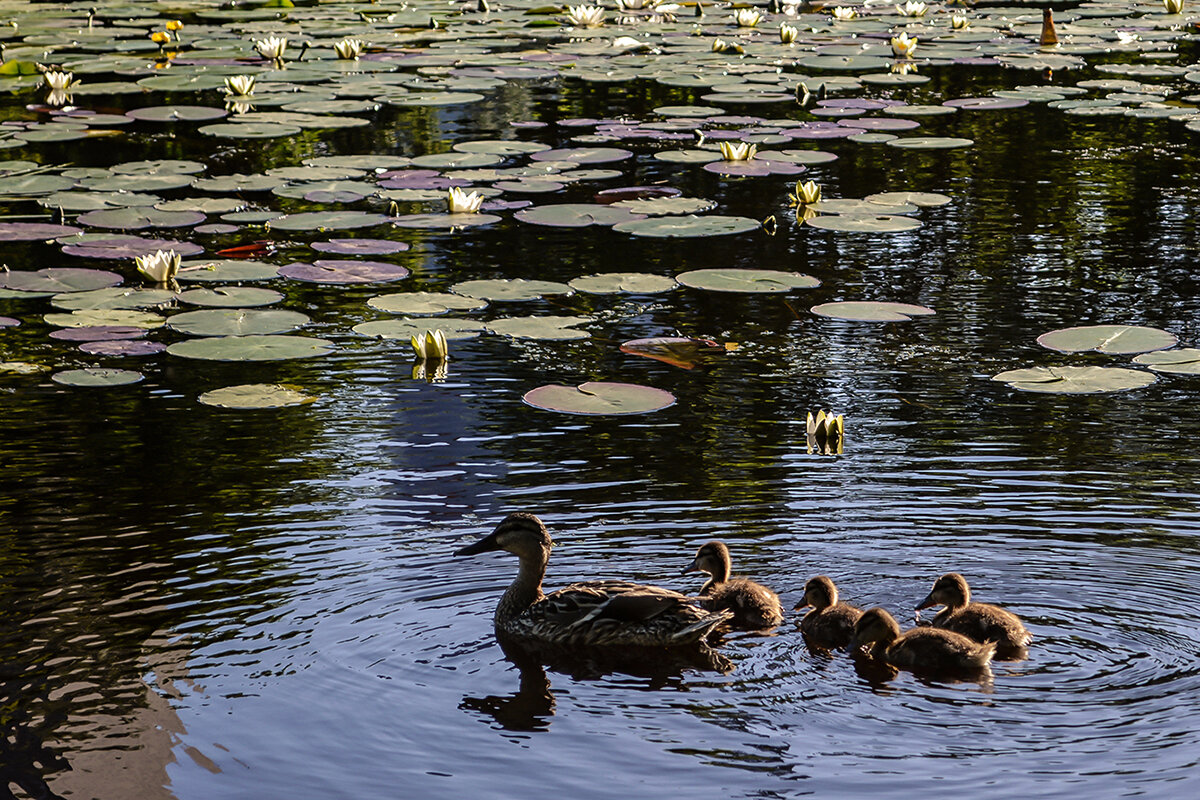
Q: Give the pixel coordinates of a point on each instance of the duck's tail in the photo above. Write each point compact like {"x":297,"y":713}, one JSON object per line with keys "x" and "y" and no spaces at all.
{"x":699,"y":630}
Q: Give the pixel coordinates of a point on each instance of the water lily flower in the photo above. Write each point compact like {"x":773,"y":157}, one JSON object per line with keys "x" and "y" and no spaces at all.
{"x":349,"y":49}
{"x":747,"y":17}
{"x":239,"y":85}
{"x":271,"y":48}
{"x":1126,"y":37}
{"x":174,"y":26}
{"x":1173,"y":6}
{"x":738,"y":151}
{"x":959,"y":22}
{"x":160,"y":38}
{"x":805,"y":194}
{"x":430,"y":346}
{"x":912,"y":9}
{"x":843,"y":12}
{"x":59,"y":81}
{"x":582,"y":16}
{"x":903,"y":46}
{"x":788,"y":33}
{"x":160,"y":266}
{"x":825,"y":433}
{"x":630,"y":43}
{"x":462,"y":203}
{"x":719,"y":45}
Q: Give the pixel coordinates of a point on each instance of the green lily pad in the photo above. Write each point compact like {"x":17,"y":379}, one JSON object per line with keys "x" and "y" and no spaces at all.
{"x":501,"y":147}
{"x":623,"y":282}
{"x":443,"y":221}
{"x":1075,"y":380}
{"x":930,"y":143}
{"x":1112,"y":339}
{"x":254,"y":396}
{"x":509,"y":289}
{"x":576,"y":215}
{"x":250,"y":130}
{"x":854,"y":207}
{"x":87,"y":318}
{"x":231,"y":297}
{"x":95,"y":376}
{"x":596,"y":397}
{"x":115,"y":297}
{"x":225,"y":271}
{"x":547,"y":327}
{"x":251,"y":348}
{"x":687,"y":227}
{"x":663,"y":206}
{"x":236,"y":321}
{"x":871,"y":311}
{"x":747,"y":280}
{"x":1185,"y":361}
{"x":424,"y":303}
{"x":919,"y":199}
{"x":405,"y":329}
{"x":327,"y":221}
{"x":863,"y":223}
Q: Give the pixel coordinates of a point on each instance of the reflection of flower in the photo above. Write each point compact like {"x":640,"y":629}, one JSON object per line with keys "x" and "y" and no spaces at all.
{"x":843,"y":12}
{"x":582,"y":16}
{"x":430,"y":346}
{"x":806,"y":194}
{"x":825,"y":433}
{"x":349,"y":49}
{"x":239,"y":85}
{"x":462,"y":203}
{"x":959,"y":22}
{"x":788,"y":33}
{"x":160,"y":266}
{"x":1173,"y":6}
{"x":904,"y":45}
{"x":903,"y":68}
{"x":434,"y":372}
{"x":235,"y":105}
{"x":57,"y":97}
{"x":747,"y":17}
{"x":272,"y":47}
{"x":738,"y":151}
{"x":911,"y":9}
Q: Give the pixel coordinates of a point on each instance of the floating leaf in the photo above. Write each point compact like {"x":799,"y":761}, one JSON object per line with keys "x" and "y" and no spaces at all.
{"x":98,"y":333}
{"x":230,"y":297}
{"x":122,"y":347}
{"x":690,"y":226}
{"x":405,"y":329}
{"x":863,"y":223}
{"x":236,"y":321}
{"x":1075,"y":380}
{"x":1178,"y":362}
{"x":251,"y":348}
{"x":95,"y":376}
{"x":255,"y":396}
{"x":509,"y":289}
{"x":597,"y":397}
{"x":344,"y":271}
{"x":623,"y":282}
{"x":747,"y":280}
{"x":546,"y":327}
{"x":871,"y":311}
{"x":226,"y":270}
{"x":90,"y":317}
{"x":360,"y":247}
{"x":424,"y":303}
{"x":58,"y":280}
{"x":677,"y":351}
{"x":1112,"y":339}
{"x":33,"y":231}
{"x":576,"y":215}
{"x":327,"y":221}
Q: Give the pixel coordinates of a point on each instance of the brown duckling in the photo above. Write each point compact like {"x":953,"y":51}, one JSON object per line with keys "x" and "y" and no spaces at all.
{"x":754,"y":606}
{"x":830,"y":623}
{"x":978,"y":621}
{"x":920,"y":649}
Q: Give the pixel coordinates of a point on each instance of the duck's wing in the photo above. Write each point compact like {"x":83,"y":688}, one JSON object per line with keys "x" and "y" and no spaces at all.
{"x":622,"y":601}
{"x":621,"y":612}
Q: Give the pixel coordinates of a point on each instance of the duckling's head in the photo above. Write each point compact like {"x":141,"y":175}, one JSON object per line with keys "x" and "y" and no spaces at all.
{"x":819,"y":593}
{"x":950,"y":590}
{"x":875,"y":626}
{"x":520,"y":533}
{"x":712,"y":558}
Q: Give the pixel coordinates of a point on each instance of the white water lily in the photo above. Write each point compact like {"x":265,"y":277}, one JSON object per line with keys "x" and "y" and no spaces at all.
{"x":719,"y":45}
{"x":806,"y":193}
{"x":912,"y":9}
{"x":825,"y":433}
{"x":1127,"y":37}
{"x":239,"y":85}
{"x":349,"y":49}
{"x":585,"y":16}
{"x":59,"y":81}
{"x":788,"y":34}
{"x":629,"y":43}
{"x":462,"y":203}
{"x":430,"y":346}
{"x":272,"y":47}
{"x":903,"y":46}
{"x":843,"y":13}
{"x":959,"y":22}
{"x":1173,"y":6}
{"x":160,"y":266}
{"x":738,"y":151}
{"x":747,"y":17}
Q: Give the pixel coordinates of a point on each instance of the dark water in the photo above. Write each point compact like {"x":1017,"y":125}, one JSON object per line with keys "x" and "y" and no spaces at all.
{"x":248,"y":605}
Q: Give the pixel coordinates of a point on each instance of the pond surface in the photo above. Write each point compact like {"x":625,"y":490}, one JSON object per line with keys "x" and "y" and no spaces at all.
{"x":203,"y":602}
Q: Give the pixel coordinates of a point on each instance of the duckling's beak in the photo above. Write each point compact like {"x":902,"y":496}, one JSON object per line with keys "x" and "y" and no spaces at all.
{"x":802,"y":604}
{"x":928,"y":601}
{"x":484,"y":545}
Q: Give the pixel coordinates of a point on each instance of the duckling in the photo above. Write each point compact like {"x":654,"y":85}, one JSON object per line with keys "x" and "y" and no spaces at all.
{"x":754,"y":606}
{"x":830,"y":623}
{"x":978,"y":621}
{"x":920,"y":649}
{"x":594,"y":613}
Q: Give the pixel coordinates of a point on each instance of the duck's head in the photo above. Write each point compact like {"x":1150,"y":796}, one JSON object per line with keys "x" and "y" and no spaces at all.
{"x":713,"y":558}
{"x":950,"y":590}
{"x":520,"y":533}
{"x":819,"y":593}
{"x":874,"y":626}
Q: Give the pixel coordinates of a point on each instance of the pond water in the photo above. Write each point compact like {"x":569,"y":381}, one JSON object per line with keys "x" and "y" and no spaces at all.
{"x":203,"y":602}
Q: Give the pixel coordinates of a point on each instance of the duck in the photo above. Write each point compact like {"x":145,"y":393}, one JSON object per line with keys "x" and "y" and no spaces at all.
{"x":830,"y":623}
{"x":920,"y":649}
{"x":593,"y":613}
{"x":754,"y":606}
{"x":978,"y":621}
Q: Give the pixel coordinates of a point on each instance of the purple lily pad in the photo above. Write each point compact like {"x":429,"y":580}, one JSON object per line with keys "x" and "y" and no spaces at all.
{"x":610,"y":196}
{"x":344,"y":271}
{"x":986,"y":103}
{"x":58,"y":279}
{"x":9,"y":322}
{"x":584,"y":155}
{"x":122,"y":347}
{"x":434,"y":181}
{"x":33,"y":231}
{"x":98,"y":333}
{"x":360,"y":247}
{"x":838,"y":112}
{"x":880,"y":124}
{"x":127,"y":247}
{"x":333,"y":197}
{"x":216,"y":229}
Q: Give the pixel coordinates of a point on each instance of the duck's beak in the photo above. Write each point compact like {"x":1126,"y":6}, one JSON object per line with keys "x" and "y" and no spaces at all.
{"x":928,"y":601}
{"x":802,"y":604}
{"x":692,"y":567}
{"x":484,"y":545}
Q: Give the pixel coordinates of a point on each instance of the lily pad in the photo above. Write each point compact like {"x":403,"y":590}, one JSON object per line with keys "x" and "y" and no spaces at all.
{"x":115,"y":297}
{"x":424,"y":303}
{"x":930,"y":142}
{"x":58,"y":280}
{"x":920,"y":199}
{"x":98,"y":333}
{"x":344,"y":271}
{"x":360,"y":247}
{"x":1112,"y":339}
{"x":509,"y":289}
{"x":405,"y":329}
{"x":255,"y":396}
{"x":596,"y":397}
{"x":688,"y":227}
{"x":1177,"y":362}
{"x":122,"y":347}
{"x":92,"y":317}
{"x":863,"y":223}
{"x":871,"y":311}
{"x":678,"y":351}
{"x":747,"y":280}
{"x":33,"y":231}
{"x":230,"y":297}
{"x":547,"y":327}
{"x":1075,"y":380}
{"x":226,"y":270}
{"x":623,"y":282}
{"x":236,"y":321}
{"x":327,"y":221}
{"x":251,"y":348}
{"x":115,"y":247}
{"x":576,"y":215}
{"x":95,"y":376}
{"x":662,"y":206}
